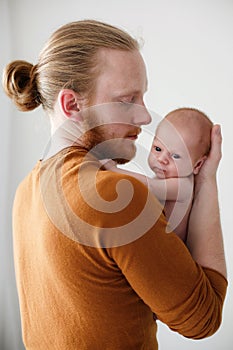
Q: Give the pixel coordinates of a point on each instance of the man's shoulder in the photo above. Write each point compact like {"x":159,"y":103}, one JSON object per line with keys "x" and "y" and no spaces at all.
{"x":109,"y":179}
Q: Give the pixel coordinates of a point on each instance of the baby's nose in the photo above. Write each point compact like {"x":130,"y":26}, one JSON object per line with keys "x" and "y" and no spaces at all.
{"x":163,"y":158}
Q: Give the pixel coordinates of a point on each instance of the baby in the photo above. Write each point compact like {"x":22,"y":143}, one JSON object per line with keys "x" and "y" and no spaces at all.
{"x":180,"y":147}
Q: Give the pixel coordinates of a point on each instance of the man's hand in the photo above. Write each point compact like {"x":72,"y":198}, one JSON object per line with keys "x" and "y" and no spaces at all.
{"x":209,"y":168}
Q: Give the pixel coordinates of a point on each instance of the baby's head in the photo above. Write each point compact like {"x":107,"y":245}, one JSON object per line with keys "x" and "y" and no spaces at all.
{"x":181,"y":143}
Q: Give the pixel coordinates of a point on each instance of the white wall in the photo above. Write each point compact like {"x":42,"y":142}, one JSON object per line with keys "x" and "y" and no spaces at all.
{"x":9,"y":315}
{"x":189,"y":53}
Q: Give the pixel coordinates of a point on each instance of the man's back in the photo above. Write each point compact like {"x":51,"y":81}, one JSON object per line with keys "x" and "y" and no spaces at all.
{"x":72,"y":296}
{"x":81,"y":296}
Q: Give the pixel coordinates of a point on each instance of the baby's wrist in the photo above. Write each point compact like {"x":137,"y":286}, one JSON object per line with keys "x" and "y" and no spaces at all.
{"x":108,"y":164}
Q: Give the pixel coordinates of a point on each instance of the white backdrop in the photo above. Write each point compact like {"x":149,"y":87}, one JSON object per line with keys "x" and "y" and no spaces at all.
{"x":188,"y":49}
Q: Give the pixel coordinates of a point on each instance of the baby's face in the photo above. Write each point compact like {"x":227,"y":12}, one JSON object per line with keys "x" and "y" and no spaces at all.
{"x":169,"y":155}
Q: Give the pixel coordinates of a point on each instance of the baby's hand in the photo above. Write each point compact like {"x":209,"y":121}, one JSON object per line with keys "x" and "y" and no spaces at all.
{"x":108,"y":164}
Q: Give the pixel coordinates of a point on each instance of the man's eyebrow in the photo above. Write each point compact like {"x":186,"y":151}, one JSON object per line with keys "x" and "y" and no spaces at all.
{"x":128,"y":93}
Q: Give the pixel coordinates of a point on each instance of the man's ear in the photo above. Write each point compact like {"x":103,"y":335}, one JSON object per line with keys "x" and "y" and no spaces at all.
{"x":69,"y":103}
{"x":198,"y":165}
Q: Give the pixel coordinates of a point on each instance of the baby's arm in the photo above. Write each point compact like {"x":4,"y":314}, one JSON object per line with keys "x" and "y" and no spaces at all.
{"x":109,"y":164}
{"x":175,"y":193}
{"x":163,"y":189}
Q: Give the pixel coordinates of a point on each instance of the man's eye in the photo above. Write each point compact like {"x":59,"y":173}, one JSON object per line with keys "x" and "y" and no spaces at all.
{"x":128,"y":100}
{"x":132,"y":100}
{"x":176,"y":156}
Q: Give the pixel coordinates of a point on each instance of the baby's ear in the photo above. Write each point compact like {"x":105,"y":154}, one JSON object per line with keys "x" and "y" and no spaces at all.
{"x":198,"y":165}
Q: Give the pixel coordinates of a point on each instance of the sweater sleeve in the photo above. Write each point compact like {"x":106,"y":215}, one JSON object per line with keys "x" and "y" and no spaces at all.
{"x":160,"y":269}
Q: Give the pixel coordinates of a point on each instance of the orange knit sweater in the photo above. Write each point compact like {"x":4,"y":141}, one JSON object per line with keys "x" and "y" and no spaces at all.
{"x":93,"y":262}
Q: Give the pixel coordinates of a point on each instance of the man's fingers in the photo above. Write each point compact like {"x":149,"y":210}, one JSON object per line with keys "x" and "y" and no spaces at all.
{"x":216,"y":142}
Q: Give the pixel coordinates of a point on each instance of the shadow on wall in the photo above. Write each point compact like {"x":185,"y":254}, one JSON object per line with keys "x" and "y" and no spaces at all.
{"x":10,"y":329}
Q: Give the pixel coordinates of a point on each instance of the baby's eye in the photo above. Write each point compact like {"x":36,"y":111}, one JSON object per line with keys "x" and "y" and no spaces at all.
{"x":176,"y":156}
{"x":158,"y":149}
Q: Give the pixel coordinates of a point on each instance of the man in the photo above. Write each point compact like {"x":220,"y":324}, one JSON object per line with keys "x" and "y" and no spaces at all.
{"x":93,"y":259}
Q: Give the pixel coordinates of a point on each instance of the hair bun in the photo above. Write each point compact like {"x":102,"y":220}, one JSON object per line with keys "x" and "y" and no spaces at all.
{"x":19,"y":83}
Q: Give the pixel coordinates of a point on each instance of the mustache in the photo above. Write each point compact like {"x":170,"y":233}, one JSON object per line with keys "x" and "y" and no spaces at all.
{"x":135,"y":131}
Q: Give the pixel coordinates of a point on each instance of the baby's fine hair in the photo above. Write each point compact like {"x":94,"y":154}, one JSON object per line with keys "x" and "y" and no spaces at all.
{"x":68,"y":60}
{"x":194,"y":119}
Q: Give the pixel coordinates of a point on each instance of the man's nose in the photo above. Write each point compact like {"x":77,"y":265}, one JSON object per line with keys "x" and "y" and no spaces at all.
{"x":141,"y":115}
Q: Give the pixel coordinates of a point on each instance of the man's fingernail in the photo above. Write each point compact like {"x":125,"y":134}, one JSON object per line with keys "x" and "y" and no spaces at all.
{"x":218,"y":130}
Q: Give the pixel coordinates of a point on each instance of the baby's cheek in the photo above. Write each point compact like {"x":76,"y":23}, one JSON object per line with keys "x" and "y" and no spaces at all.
{"x":184,"y":169}
{"x":151,"y":159}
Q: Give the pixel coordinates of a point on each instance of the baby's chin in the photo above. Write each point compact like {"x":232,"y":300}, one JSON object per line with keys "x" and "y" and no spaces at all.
{"x":160,"y":174}
{"x":163,"y":174}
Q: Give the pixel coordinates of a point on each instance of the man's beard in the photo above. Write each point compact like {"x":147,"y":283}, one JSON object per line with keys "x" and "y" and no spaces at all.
{"x":103,"y":146}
